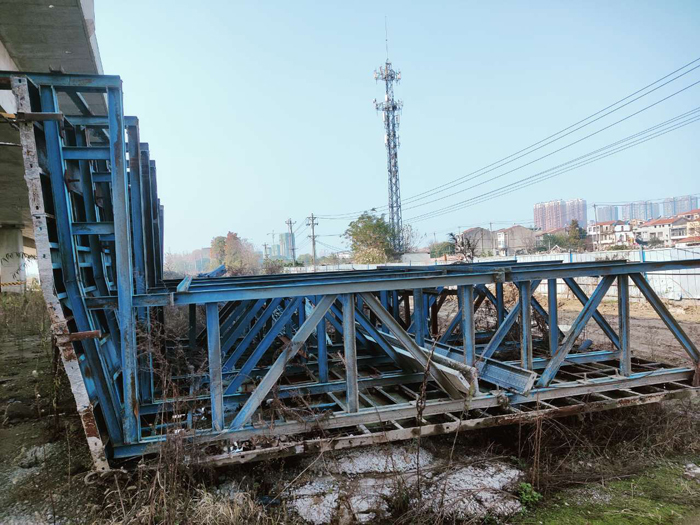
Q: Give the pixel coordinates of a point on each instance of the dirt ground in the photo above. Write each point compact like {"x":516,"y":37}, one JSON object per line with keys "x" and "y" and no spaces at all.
{"x":45,"y":467}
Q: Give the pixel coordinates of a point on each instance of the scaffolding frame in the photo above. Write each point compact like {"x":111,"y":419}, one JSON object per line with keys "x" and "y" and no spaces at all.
{"x":273,"y":365}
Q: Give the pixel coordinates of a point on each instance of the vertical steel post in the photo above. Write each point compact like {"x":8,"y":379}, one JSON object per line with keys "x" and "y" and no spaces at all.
{"x":384,"y":299}
{"x":500,"y":305}
{"x":137,"y":210}
{"x":395,"y":305}
{"x":526,"y":325}
{"x":553,"y":316}
{"x":419,"y":319}
{"x":216,"y":387}
{"x":623,"y":308}
{"x":349,"y":344}
{"x":192,"y":334}
{"x":322,"y":348}
{"x":467,"y":295}
{"x":124,"y":270}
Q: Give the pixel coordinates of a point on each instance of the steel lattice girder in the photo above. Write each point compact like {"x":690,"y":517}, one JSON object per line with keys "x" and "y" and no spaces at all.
{"x":286,"y":355}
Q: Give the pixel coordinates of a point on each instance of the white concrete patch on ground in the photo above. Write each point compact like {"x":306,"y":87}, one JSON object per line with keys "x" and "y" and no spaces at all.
{"x":384,"y":459}
{"x":692,"y":471}
{"x":368,"y":499}
{"x":474,"y":491}
{"x":316,"y":502}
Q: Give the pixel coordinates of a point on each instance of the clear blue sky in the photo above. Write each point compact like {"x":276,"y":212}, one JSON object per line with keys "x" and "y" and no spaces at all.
{"x":260,"y":111}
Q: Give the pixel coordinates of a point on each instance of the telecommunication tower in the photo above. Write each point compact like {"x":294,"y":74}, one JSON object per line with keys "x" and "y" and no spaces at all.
{"x":391,"y":110}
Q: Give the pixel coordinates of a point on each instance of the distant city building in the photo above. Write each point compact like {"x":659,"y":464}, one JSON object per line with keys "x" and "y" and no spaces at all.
{"x":641,"y":210}
{"x":606,"y":213}
{"x":667,"y":230}
{"x":576,"y":209}
{"x":677,"y":205}
{"x":602,"y":234}
{"x":515,"y":240}
{"x":483,"y":240}
{"x":286,"y":245}
{"x":558,"y":213}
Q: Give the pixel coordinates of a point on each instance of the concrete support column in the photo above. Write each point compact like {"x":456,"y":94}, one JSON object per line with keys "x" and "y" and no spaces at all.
{"x":11,"y":260}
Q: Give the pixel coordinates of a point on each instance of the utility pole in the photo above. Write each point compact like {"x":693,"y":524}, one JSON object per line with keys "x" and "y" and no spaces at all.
{"x":312,"y":221}
{"x":597,"y":226}
{"x":391,"y":109}
{"x":265,"y":250}
{"x":272,"y":235}
{"x":292,"y":242}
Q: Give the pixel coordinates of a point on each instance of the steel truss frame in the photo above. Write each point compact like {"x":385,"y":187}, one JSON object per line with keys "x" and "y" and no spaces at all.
{"x":276,"y":365}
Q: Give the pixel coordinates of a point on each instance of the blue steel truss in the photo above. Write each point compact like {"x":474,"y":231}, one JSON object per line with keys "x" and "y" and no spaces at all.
{"x":293,"y":355}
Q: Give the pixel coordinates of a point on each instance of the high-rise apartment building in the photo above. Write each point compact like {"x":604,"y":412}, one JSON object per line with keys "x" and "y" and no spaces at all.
{"x":286,"y":243}
{"x":641,"y":210}
{"x":606,"y":213}
{"x":557,"y":214}
{"x":576,"y":209}
{"x":682,"y":204}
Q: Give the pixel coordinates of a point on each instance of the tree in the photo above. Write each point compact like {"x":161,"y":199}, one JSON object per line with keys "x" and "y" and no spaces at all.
{"x":272,"y":266}
{"x":305,"y":259}
{"x":217,"y":253}
{"x":370,"y":239}
{"x":239,"y":255}
{"x":463,"y":246}
{"x":411,"y":239}
{"x":438,"y":249}
{"x":575,"y":236}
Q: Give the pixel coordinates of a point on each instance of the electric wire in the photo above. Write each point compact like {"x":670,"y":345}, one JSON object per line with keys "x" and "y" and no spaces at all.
{"x":543,"y":175}
{"x":465,"y":178}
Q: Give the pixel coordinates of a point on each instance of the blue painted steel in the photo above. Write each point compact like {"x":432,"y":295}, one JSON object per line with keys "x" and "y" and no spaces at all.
{"x":215,"y":379}
{"x":376,"y":335}
{"x":337,"y":323}
{"x":86,"y":153}
{"x":107,"y":219}
{"x":500,"y":305}
{"x":525,"y":325}
{"x":553,"y":323}
{"x":453,"y":324}
{"x":278,"y":367}
{"x":124,"y":270}
{"x":576,"y":328}
{"x":660,"y":308}
{"x":502,"y":331}
{"x":419,"y":316}
{"x":242,"y":324}
{"x":93,"y":366}
{"x":384,"y":299}
{"x":322,"y":348}
{"x":623,"y":305}
{"x":597,"y":316}
{"x":349,"y":344}
{"x":263,"y":346}
{"x":259,"y":324}
{"x":467,"y":318}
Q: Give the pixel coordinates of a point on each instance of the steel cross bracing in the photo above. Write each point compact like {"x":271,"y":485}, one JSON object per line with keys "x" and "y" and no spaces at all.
{"x":307,"y":362}
{"x":391,"y":110}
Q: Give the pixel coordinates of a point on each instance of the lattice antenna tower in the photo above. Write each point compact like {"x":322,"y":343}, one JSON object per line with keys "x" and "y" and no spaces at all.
{"x":391,"y":111}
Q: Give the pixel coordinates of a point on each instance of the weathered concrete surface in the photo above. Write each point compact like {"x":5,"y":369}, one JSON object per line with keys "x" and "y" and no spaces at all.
{"x":362,"y":486}
{"x":37,"y":36}
{"x":12,"y":264}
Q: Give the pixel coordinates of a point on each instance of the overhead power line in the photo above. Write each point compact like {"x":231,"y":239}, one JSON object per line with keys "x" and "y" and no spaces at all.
{"x":439,"y":189}
{"x":560,"y":169}
{"x":563,"y":148}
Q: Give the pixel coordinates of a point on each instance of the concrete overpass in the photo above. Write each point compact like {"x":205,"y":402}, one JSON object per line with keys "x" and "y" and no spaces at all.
{"x":37,"y":36}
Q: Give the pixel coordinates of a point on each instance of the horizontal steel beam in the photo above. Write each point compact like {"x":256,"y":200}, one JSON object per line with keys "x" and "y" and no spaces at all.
{"x":376,"y":415}
{"x":374,"y":284}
